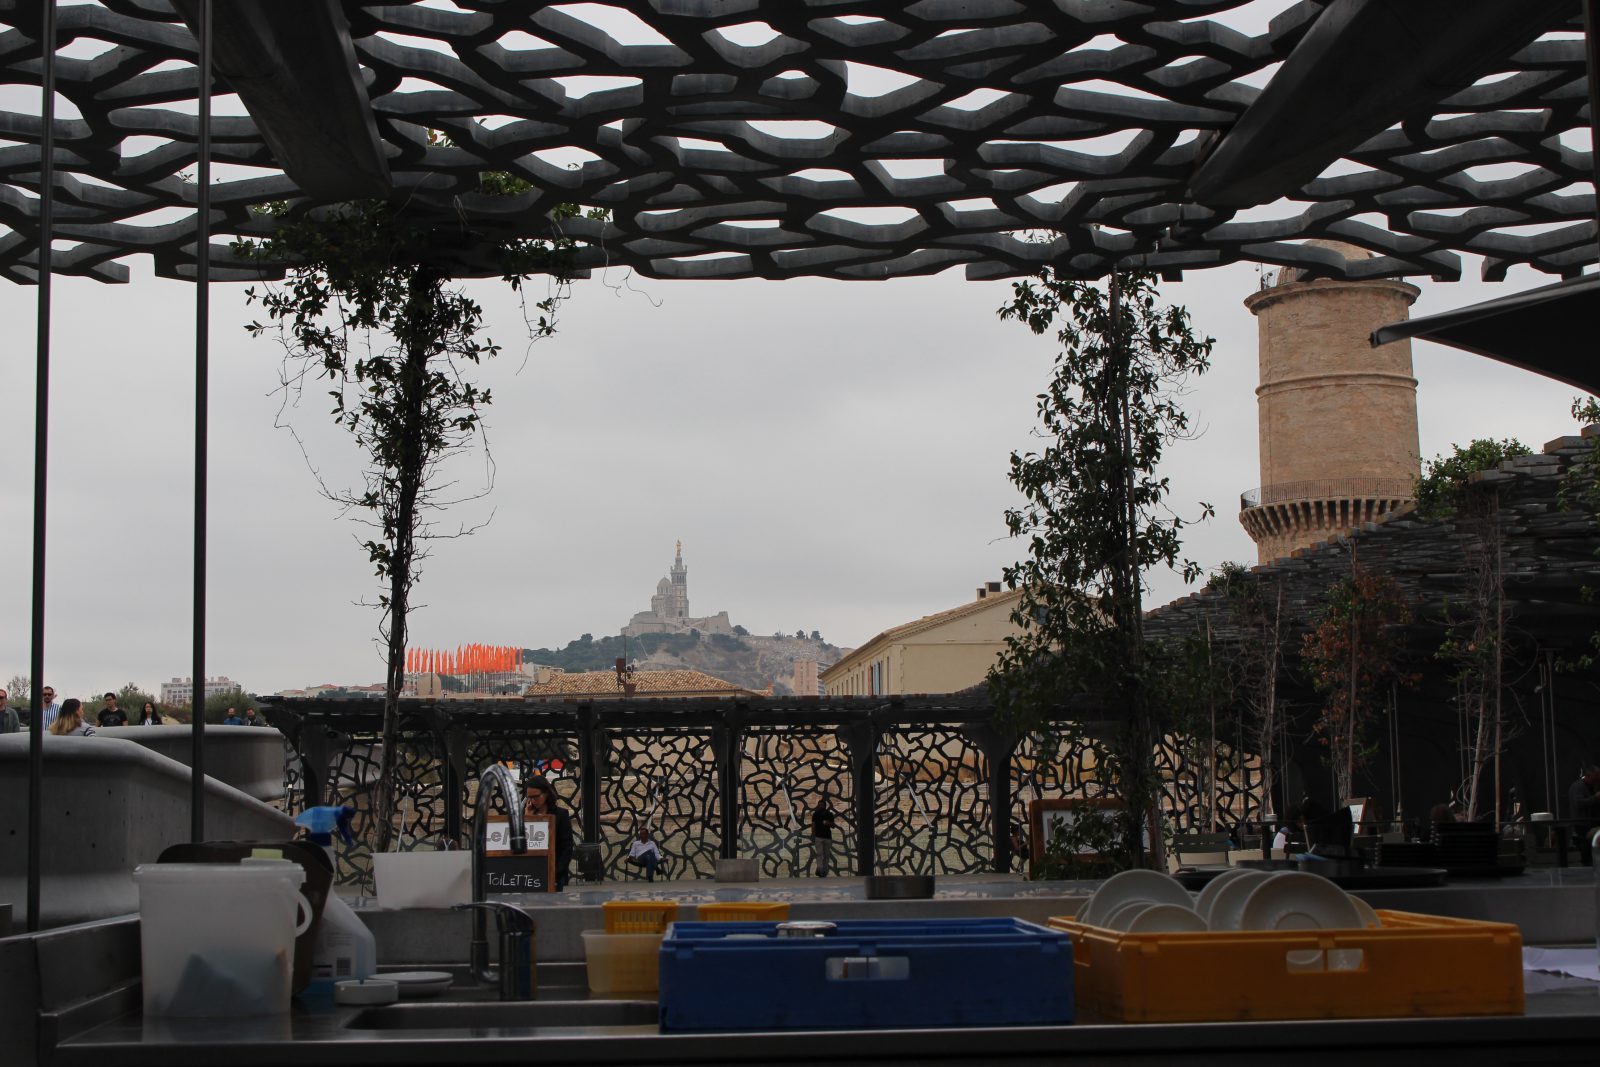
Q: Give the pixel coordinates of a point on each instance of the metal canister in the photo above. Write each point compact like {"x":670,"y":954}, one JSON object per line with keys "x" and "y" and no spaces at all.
{"x":806,"y":928}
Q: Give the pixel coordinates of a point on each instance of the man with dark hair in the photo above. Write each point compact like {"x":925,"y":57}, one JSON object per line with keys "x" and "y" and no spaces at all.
{"x":110,"y":714}
{"x":51,"y":708}
{"x":1581,"y":807}
{"x":233,"y":718}
{"x":9,"y":723}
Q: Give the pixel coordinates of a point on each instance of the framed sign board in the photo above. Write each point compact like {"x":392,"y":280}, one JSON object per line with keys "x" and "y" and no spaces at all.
{"x":1045,"y":815}
{"x":533,"y":871}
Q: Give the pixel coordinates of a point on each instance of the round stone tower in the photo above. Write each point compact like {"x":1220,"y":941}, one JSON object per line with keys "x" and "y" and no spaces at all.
{"x":1338,"y":418}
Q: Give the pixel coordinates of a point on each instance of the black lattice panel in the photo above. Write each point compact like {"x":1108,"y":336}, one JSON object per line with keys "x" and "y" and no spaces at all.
{"x":784,"y":773}
{"x":804,"y":138}
{"x":1060,"y":767}
{"x":932,"y":803}
{"x":666,"y":780}
{"x":552,"y":754}
{"x":1186,"y":792}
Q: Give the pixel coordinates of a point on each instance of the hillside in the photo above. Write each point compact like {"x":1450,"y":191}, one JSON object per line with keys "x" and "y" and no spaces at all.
{"x":746,"y":660}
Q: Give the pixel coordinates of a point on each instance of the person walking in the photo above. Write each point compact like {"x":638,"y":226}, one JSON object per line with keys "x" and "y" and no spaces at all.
{"x":645,"y":853}
{"x":823,"y":821}
{"x":69,"y":723}
{"x":9,"y":722}
{"x":110,"y":714}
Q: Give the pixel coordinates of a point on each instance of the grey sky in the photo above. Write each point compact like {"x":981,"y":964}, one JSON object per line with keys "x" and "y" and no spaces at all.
{"x":832,"y":455}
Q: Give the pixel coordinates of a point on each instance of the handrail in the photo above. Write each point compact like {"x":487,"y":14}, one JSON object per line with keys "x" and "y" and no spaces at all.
{"x":1329,"y":489}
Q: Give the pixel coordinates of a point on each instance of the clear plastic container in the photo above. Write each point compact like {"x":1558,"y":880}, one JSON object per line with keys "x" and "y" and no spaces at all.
{"x":217,"y":939}
{"x":622,"y":963}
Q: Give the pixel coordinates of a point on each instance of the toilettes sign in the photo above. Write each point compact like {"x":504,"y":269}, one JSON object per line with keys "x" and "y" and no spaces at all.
{"x":530,"y":872}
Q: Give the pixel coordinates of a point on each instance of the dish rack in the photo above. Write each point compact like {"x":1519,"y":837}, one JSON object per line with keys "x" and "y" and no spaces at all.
{"x":1413,"y":965}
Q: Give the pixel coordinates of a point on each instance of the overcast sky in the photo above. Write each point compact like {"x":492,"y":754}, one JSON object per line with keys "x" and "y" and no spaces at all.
{"x":832,"y":454}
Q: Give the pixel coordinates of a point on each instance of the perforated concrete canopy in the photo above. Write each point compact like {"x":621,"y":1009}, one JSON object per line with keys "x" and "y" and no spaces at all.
{"x":836,"y":138}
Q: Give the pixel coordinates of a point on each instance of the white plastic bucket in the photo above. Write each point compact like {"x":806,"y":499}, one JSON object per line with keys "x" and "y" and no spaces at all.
{"x":217,"y":939}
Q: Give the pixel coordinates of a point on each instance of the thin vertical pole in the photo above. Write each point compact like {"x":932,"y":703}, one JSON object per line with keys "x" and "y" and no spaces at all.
{"x":1592,"y":55}
{"x":202,"y":387}
{"x":41,"y":447}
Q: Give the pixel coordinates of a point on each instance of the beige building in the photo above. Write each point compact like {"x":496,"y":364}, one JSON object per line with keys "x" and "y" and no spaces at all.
{"x":1338,"y":418}
{"x":554,"y":684}
{"x":943,"y":653}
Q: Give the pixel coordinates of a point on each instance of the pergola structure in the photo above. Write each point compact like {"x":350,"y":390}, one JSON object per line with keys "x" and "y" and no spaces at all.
{"x":788,"y":138}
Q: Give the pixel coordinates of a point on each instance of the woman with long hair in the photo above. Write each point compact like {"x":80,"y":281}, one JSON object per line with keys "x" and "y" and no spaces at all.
{"x":149,"y":716}
{"x":70,"y":721}
{"x":540,"y":799}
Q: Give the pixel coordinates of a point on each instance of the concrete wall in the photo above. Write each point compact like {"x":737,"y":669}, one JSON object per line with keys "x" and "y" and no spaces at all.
{"x":249,"y":759}
{"x":109,"y":805}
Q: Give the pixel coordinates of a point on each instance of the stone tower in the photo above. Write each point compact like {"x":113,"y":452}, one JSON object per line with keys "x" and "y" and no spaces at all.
{"x":1338,"y":418}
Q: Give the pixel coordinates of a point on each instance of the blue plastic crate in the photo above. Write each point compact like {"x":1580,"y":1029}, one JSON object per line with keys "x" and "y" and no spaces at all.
{"x":869,"y":974}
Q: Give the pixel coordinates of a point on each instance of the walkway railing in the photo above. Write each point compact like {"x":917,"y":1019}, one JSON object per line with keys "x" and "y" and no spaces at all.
{"x":1329,"y":489}
{"x":911,"y":779}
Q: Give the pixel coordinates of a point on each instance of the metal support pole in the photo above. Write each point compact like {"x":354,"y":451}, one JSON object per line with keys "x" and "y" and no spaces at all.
{"x":41,"y":451}
{"x":725,"y":744}
{"x":999,"y":756}
{"x":590,"y":767}
{"x":1591,"y":46}
{"x":202,"y":387}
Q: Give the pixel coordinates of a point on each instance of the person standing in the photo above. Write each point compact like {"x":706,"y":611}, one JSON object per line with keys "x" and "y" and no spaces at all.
{"x":51,"y":708}
{"x":233,"y":718}
{"x":823,"y":821}
{"x":149,"y":716}
{"x":9,"y":722}
{"x":645,"y":853}
{"x":1581,"y":807}
{"x":110,"y":714}
{"x":250,"y":718}
{"x":540,"y":799}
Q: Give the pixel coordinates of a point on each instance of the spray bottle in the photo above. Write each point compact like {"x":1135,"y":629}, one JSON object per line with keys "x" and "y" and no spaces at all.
{"x":345,"y":948}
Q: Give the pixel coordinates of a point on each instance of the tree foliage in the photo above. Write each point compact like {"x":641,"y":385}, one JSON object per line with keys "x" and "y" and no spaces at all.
{"x":1442,"y":487}
{"x":1353,"y":659}
{"x":366,"y":306}
{"x":1095,"y":516}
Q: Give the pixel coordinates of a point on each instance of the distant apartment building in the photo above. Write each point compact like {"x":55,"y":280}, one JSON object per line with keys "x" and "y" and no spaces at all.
{"x":181,"y":690}
{"x":941,"y":653}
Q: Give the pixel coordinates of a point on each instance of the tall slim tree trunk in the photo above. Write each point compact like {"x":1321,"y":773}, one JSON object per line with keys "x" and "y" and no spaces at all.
{"x":410,"y":470}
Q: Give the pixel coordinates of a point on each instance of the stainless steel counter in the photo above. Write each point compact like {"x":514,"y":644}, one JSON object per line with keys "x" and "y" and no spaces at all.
{"x":1562,"y":1025}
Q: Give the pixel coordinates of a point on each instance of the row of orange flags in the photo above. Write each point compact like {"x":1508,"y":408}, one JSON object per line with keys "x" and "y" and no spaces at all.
{"x":466,"y":659}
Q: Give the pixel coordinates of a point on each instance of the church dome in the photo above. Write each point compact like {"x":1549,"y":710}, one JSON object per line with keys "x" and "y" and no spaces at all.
{"x":663,"y":586}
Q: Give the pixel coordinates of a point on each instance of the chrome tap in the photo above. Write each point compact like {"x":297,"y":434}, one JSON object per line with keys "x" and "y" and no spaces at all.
{"x":491,"y":775}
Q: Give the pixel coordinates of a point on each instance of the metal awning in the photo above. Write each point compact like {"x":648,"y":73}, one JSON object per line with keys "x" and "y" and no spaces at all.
{"x":1550,"y":330}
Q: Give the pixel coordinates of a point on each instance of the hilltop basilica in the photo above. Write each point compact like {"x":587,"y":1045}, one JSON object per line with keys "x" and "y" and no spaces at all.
{"x":669,"y":608}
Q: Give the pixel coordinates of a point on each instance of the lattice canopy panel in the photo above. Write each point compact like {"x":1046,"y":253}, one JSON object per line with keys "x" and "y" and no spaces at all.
{"x":785,"y":138}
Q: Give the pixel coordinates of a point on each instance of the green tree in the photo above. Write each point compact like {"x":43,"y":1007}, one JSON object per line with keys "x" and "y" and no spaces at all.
{"x":1353,"y":659}
{"x":366,"y":305}
{"x":131,"y":699}
{"x":1441,"y":490}
{"x":1095,"y":516}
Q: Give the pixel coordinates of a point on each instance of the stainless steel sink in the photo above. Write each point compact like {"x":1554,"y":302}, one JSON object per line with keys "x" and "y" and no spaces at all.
{"x":453,"y":1015}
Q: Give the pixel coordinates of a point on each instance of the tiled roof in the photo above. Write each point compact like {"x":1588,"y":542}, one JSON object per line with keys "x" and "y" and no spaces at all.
{"x":648,"y":683}
{"x":927,"y":622}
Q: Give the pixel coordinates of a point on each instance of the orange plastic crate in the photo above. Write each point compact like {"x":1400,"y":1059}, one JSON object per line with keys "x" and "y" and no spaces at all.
{"x":744,"y":911}
{"x":639,"y":916}
{"x":1414,"y":965}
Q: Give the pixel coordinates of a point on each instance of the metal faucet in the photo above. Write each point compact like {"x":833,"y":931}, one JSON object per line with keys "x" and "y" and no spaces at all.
{"x":491,"y":775}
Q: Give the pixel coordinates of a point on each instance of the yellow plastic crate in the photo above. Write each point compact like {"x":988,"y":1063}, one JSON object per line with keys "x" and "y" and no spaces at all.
{"x":639,"y":916}
{"x":744,"y":911}
{"x":622,"y":963}
{"x":1414,"y":965}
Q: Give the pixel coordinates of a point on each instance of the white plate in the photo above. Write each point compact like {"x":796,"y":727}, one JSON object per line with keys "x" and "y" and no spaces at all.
{"x":1299,"y":900}
{"x":1228,"y":904}
{"x":1209,"y":892}
{"x":1369,"y":918}
{"x":1124,"y":916}
{"x":1164,"y":918}
{"x":419,"y":983}
{"x":1126,"y":886}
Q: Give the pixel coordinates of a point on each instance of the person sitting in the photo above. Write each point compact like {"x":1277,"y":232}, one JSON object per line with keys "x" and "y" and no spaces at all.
{"x":645,"y":853}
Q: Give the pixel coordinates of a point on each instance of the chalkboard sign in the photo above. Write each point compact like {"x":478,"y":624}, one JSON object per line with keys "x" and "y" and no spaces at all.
{"x":533,"y":871}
